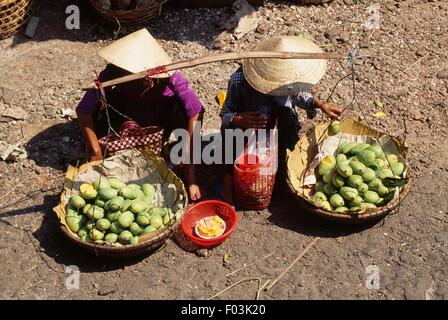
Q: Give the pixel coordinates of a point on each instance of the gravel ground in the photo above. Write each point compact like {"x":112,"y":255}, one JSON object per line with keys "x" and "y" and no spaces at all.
{"x":406,"y":71}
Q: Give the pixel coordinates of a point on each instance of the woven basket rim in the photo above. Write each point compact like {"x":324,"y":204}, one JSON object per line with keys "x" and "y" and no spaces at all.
{"x":359,"y":216}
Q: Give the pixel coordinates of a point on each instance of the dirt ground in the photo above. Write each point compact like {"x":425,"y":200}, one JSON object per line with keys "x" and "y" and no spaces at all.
{"x":407,"y":71}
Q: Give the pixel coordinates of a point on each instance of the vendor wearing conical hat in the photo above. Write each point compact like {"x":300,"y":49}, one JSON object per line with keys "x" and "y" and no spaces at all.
{"x":169,"y":103}
{"x":267,"y":91}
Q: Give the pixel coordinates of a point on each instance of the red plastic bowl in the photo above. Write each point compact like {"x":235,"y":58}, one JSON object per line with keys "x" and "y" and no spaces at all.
{"x":206,"y":209}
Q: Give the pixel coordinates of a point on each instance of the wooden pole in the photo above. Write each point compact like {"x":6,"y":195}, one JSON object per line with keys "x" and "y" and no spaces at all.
{"x":222,"y":57}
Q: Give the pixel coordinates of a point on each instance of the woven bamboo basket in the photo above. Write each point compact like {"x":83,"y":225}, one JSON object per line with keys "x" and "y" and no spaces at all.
{"x":133,"y":16}
{"x":147,"y":243}
{"x":305,"y":151}
{"x":13,"y":15}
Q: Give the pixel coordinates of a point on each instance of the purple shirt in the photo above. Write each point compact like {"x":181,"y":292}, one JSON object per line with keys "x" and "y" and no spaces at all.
{"x":177,"y":86}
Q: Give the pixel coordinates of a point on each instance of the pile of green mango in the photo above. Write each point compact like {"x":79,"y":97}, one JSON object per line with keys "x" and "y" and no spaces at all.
{"x":352,"y":179}
{"x":112,"y":212}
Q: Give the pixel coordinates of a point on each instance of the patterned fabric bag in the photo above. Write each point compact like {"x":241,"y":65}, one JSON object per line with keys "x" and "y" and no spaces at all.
{"x":132,"y":136}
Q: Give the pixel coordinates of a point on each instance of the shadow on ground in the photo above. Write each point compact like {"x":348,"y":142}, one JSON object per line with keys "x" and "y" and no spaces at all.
{"x":56,"y":146}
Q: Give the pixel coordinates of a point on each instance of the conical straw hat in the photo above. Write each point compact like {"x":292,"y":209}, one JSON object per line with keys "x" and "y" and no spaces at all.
{"x":284,"y":77}
{"x":136,"y":52}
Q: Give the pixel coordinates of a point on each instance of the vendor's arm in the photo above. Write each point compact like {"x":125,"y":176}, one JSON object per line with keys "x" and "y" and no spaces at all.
{"x":84,"y":112}
{"x":306,"y":101}
{"x":193,"y":108}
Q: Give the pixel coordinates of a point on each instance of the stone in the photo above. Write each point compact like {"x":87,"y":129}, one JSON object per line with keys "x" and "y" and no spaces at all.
{"x":331,"y":34}
{"x":401,"y":93}
{"x":441,"y":237}
{"x":202,"y":253}
{"x":442,"y":74}
{"x":107,"y":289}
{"x":412,"y":294}
{"x":409,"y":258}
{"x":8,"y":95}
{"x":16,"y":113}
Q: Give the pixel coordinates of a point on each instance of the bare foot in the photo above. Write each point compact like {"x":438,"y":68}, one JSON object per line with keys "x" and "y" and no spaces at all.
{"x":227,"y":188}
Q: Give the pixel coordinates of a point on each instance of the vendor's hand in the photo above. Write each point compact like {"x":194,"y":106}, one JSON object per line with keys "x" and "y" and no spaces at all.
{"x":193,"y":189}
{"x":250,"y":120}
{"x":332,"y":110}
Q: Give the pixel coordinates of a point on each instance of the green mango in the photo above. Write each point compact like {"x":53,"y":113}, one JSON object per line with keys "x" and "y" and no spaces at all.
{"x":367,"y":157}
{"x":340,"y":158}
{"x":371,"y":197}
{"x":143,"y":219}
{"x":159,"y":211}
{"x":320,"y":185}
{"x":391,"y":159}
{"x":337,"y":181}
{"x":368,"y":175}
{"x":156,"y":221}
{"x":356,"y":202}
{"x":101,"y":183}
{"x":126,"y":219}
{"x":380,"y":202}
{"x":384,"y":173}
{"x":128,"y":193}
{"x":116,"y":228}
{"x":375,"y":184}
{"x":100,"y":203}
{"x":116,"y":183}
{"x":108,"y":193}
{"x":148,"y":190}
{"x":326,"y":206}
{"x":326,"y":165}
{"x":334,"y":128}
{"x":382,"y":191}
{"x":73,"y":223}
{"x":116,"y":203}
{"x":138,"y":206}
{"x":77,"y":202}
{"x":362,"y":188}
{"x":166,"y":219}
{"x":348,"y":193}
{"x":134,"y":240}
{"x":344,"y":170}
{"x":83,"y":233}
{"x":117,"y":244}
{"x":148,"y":229}
{"x":397,"y":168}
{"x":367,"y":205}
{"x":103,"y":224}
{"x":358,"y":148}
{"x":71,"y":211}
{"x":347,"y":147}
{"x":341,"y":209}
{"x":111,"y":238}
{"x":95,"y":212}
{"x":126,"y":205}
{"x":134,"y":186}
{"x":113,"y":216}
{"x":90,"y":224}
{"x":135,"y":229}
{"x":337,"y":201}
{"x":358,"y":167}
{"x":96,"y":234}
{"x":329,"y":189}
{"x":354,"y":181}
{"x":87,"y":191}
{"x":125,"y":237}
{"x":377,"y":150}
{"x":326,"y":178}
{"x":86,"y":208}
{"x":381,"y":163}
